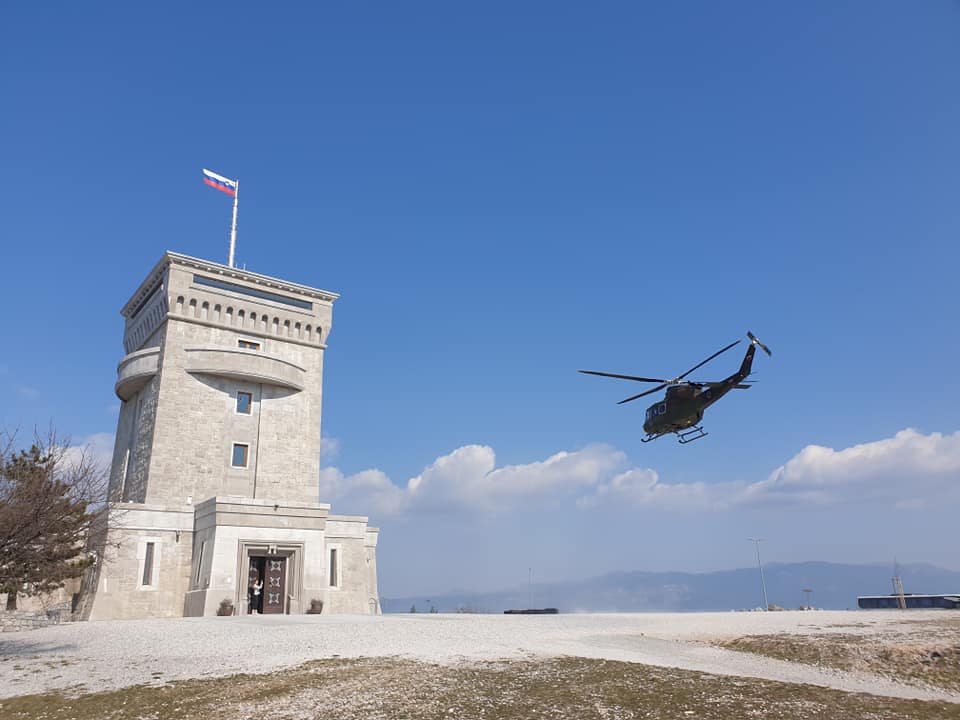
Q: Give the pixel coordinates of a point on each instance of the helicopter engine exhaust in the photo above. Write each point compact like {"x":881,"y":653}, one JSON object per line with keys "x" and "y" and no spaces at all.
{"x":755,"y":341}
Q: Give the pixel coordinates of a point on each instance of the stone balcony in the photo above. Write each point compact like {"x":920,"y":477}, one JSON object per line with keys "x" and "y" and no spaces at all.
{"x":247,"y":365}
{"x":135,"y":371}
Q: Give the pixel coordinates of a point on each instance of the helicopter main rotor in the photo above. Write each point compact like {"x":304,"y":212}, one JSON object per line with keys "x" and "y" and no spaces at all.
{"x":679,"y":380}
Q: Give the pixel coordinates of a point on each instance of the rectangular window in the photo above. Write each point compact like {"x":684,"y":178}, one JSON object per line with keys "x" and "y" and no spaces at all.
{"x":244,"y":402}
{"x":334,"y":570}
{"x":240,"y":451}
{"x":148,"y":565}
{"x":248,"y":344}
{"x":203,"y":544}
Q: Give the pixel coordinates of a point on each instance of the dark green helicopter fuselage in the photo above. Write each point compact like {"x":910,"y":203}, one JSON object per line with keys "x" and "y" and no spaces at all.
{"x":684,"y":404}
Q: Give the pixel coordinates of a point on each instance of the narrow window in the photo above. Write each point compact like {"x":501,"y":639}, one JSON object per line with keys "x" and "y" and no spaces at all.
{"x":148,"y":565}
{"x":240,"y":454}
{"x":248,"y":344}
{"x":333,"y":567}
{"x":200,"y":563}
{"x":244,"y":402}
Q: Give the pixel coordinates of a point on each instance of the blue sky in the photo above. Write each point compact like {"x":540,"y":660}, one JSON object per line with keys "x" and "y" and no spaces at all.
{"x":503,"y":195}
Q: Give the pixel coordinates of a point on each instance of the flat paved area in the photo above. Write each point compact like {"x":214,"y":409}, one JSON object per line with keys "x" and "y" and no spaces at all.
{"x":107,"y":655}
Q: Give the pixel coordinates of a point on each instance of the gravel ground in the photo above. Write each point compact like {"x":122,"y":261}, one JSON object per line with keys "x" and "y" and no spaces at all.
{"x":97,"y":656}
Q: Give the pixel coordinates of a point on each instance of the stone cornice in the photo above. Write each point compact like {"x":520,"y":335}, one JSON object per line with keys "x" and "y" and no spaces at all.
{"x":172,"y":258}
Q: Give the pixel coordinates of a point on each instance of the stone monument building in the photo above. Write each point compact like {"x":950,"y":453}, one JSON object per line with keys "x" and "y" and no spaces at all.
{"x":215,"y":472}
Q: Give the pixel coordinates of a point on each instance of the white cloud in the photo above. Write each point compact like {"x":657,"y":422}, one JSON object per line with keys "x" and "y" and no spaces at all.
{"x":642,"y":488}
{"x":906,"y":471}
{"x":329,"y":449}
{"x":97,"y":448}
{"x":366,"y":493}
{"x":907,"y":467}
{"x":468,"y":479}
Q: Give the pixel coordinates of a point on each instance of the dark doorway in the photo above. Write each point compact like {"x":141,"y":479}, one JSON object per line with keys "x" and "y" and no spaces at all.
{"x":256,"y":584}
{"x":275,"y":585}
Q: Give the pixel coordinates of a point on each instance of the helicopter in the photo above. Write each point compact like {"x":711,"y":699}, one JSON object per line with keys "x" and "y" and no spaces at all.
{"x":681,"y":410}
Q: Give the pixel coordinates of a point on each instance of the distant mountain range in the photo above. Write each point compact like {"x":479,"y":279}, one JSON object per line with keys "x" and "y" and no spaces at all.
{"x":835,"y":587}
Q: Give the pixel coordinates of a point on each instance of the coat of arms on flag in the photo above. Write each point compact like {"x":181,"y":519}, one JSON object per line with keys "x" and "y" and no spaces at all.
{"x":220,"y":182}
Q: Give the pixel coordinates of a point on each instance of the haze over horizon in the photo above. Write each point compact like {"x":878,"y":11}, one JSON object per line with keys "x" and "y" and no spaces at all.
{"x":504,"y":195}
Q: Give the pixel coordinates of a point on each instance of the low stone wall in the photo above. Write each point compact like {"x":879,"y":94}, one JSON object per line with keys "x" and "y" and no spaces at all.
{"x":32,"y":619}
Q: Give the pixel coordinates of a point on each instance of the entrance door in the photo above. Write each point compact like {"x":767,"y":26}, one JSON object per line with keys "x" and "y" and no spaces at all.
{"x":256,"y":574}
{"x":275,"y":585}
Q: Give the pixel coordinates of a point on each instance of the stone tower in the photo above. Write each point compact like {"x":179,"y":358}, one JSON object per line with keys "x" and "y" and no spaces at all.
{"x":215,"y":470}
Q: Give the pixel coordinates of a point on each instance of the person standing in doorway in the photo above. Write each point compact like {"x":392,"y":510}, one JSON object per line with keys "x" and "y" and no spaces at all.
{"x":252,"y":597}
{"x":258,"y":596}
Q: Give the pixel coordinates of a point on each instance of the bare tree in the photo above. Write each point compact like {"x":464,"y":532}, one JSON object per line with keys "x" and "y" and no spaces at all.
{"x":52,"y":506}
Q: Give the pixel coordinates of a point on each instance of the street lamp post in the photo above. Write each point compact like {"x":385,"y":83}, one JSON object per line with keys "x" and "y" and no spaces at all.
{"x":763,"y":585}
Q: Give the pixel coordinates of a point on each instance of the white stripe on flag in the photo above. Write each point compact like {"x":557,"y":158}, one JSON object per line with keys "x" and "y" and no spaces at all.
{"x":221,"y":178}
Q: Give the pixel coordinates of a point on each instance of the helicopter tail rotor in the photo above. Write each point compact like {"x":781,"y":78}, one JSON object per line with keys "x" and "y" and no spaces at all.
{"x":755,"y":341}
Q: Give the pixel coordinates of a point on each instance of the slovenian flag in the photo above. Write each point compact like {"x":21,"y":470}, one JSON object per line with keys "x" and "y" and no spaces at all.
{"x":220,"y":182}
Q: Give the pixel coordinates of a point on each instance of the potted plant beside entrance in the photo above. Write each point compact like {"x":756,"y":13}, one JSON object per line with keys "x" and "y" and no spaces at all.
{"x":316,"y":607}
{"x":226,"y":607}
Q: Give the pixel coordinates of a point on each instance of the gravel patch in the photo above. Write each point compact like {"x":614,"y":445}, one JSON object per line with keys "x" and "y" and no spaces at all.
{"x":94,"y":656}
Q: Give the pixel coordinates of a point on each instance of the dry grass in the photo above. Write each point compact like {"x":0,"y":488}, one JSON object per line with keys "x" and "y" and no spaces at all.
{"x":556,"y":688}
{"x":917,"y":652}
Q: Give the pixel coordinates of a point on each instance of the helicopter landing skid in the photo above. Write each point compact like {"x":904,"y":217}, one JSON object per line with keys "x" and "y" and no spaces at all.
{"x":688,"y":436}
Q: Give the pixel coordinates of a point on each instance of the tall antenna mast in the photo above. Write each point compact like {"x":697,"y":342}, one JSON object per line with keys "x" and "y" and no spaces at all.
{"x":898,"y":587}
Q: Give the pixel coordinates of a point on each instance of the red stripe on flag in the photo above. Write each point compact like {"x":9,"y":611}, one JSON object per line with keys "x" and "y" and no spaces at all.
{"x":228,"y":190}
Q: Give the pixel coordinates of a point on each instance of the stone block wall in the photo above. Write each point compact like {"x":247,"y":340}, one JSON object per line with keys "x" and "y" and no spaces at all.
{"x":18,"y":620}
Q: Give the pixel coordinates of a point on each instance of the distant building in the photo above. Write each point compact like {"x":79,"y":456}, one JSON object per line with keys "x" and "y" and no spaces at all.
{"x":215,"y":472}
{"x":912,"y":602}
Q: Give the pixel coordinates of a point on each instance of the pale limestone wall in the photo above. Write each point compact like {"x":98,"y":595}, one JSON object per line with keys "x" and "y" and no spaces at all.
{"x":370,"y":557}
{"x":58,"y":598}
{"x":356,"y":588}
{"x":202,"y":369}
{"x":133,"y":445}
{"x":146,"y":314}
{"x":231,"y":529}
{"x":121,"y":593}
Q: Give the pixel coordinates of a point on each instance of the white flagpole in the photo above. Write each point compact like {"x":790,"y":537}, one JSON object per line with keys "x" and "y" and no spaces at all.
{"x":233,"y":227}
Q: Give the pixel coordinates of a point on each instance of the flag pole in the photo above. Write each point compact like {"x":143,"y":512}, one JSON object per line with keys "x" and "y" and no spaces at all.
{"x":233,"y":227}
